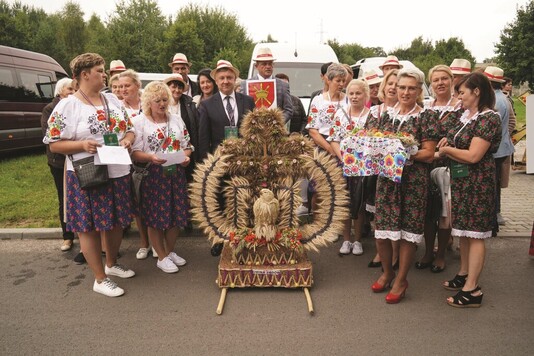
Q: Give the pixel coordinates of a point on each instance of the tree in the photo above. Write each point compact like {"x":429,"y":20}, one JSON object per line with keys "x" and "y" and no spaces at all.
{"x":453,"y":48}
{"x":72,"y":30}
{"x":18,"y":24}
{"x":515,"y":51}
{"x":49,"y":40}
{"x":98,"y":39}
{"x":218,"y":32}
{"x":136,"y":30}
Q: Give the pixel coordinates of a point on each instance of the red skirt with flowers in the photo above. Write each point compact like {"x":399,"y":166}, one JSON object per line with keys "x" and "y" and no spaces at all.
{"x":164,"y":201}
{"x":100,"y":208}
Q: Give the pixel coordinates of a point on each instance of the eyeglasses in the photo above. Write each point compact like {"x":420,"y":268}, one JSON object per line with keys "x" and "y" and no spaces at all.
{"x":407,"y":88}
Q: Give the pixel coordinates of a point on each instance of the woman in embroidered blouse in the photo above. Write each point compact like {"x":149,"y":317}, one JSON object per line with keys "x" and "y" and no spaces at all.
{"x":164,"y":203}
{"x":130,"y":87}
{"x":400,"y":208}
{"x":345,"y":121}
{"x":471,"y":141}
{"x":438,"y":215}
{"x":76,"y":128}
{"x":387,"y":94}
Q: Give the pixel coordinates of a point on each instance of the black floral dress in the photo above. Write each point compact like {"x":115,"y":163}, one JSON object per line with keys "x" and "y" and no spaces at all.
{"x":473,"y":196}
{"x":401,"y":208}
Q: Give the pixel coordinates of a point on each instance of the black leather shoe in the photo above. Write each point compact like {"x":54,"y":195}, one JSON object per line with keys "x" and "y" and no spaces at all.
{"x":217,"y":249}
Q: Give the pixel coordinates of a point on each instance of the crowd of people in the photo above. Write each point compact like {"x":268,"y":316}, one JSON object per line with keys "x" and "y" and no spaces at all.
{"x":450,"y":188}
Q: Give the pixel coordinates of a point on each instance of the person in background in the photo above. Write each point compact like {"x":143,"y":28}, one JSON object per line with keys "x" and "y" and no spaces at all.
{"x":472,"y":138}
{"x":506,"y":147}
{"x":324,"y":68}
{"x":183,"y":107}
{"x":180,"y":65}
{"x":264,"y":64}
{"x":350,"y":75}
{"x":76,"y":128}
{"x":207,"y":86}
{"x":345,"y":122}
{"x":56,"y":161}
{"x":400,"y":208}
{"x":373,"y":80}
{"x":164,"y":202}
{"x":298,"y":120}
{"x":390,"y":63}
{"x":460,"y":68}
{"x":507,"y":90}
{"x":115,"y":86}
{"x":116,"y":66}
{"x":130,"y":87}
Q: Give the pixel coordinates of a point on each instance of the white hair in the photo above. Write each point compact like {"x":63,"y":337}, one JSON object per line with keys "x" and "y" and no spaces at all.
{"x":415,"y":73}
{"x":62,"y":83}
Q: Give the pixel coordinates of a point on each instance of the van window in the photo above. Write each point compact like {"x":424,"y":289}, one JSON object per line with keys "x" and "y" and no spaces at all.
{"x":40,"y":84}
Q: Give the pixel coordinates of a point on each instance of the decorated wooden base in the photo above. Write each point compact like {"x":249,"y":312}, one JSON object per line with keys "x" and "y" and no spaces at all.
{"x":280,"y":269}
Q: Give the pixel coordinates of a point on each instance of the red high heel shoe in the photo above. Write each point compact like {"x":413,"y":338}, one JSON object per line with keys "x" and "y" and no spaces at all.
{"x":378,"y":288}
{"x":396,"y":298}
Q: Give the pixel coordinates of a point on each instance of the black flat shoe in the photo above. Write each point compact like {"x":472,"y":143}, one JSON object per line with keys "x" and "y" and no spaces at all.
{"x":422,"y":265}
{"x":216,"y":249}
{"x":374,"y":264}
{"x":437,"y":269}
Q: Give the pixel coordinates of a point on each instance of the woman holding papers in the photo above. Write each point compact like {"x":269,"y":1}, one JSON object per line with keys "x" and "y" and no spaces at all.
{"x":162,"y":140}
{"x":79,"y":125}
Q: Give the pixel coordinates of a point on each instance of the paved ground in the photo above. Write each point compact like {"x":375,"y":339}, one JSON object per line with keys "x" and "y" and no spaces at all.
{"x":47,"y":307}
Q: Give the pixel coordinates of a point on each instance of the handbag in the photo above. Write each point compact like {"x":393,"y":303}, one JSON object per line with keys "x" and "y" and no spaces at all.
{"x":139,"y":172}
{"x":91,"y":175}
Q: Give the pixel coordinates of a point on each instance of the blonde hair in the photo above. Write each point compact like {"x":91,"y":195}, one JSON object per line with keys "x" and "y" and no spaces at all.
{"x":381,"y":94}
{"x":114,"y":78}
{"x":84,"y":62}
{"x":439,"y":68}
{"x":362,"y":83}
{"x":154,"y":90}
{"x":132,"y":74}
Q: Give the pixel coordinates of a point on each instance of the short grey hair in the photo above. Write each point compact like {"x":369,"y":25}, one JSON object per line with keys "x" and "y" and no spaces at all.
{"x":132,"y":74}
{"x":415,"y":73}
{"x":62,"y":83}
{"x":336,"y":70}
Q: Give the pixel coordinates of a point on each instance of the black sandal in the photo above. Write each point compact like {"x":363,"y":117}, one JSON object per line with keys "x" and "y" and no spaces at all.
{"x":456,"y":283}
{"x":466,"y":299}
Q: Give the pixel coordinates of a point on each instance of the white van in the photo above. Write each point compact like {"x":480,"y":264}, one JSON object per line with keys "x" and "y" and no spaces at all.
{"x":301,"y":63}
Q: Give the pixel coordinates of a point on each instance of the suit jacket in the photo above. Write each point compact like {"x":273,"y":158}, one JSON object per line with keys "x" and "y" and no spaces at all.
{"x":213,"y":119}
{"x":189,"y":114}
{"x":195,"y":89}
{"x":283,"y":99}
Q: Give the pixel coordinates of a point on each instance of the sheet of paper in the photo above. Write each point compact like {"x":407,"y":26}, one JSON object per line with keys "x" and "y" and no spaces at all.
{"x":112,"y":155}
{"x":172,"y":158}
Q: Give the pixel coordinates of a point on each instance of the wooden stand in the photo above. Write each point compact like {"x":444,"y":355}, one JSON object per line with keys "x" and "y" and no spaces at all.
{"x":295,"y":274}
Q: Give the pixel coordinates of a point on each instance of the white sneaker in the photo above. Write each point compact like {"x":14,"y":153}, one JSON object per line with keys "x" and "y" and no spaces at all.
{"x":142,"y":253}
{"x":108,"y":288}
{"x":119,"y":271}
{"x":357,"y":248}
{"x":345,"y":248}
{"x":167,"y":266}
{"x":302,"y":210}
{"x":154,"y":253}
{"x":177,"y":260}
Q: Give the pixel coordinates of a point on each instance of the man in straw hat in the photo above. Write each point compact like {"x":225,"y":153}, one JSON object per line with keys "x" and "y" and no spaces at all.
{"x":373,"y":80}
{"x":506,"y":147}
{"x":220,"y":115}
{"x":264,"y":64}
{"x":180,"y":65}
{"x":391,"y":62}
{"x":459,"y":68}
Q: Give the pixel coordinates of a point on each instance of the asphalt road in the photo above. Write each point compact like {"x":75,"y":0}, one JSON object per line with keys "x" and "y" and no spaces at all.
{"x":47,"y":307}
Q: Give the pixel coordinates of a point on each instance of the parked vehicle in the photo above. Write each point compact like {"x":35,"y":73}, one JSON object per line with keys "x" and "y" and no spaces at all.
{"x":27,"y":83}
{"x":301,"y":63}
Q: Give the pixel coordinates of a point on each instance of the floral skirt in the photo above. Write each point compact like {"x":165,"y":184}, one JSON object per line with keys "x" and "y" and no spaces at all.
{"x":164,"y":200}
{"x":100,"y":208}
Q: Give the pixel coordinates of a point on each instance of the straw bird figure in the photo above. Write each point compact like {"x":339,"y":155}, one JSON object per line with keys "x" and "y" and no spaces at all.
{"x":266,"y":209}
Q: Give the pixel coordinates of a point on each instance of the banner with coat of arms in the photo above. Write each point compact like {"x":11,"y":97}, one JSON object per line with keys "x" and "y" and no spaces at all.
{"x":263,"y":92}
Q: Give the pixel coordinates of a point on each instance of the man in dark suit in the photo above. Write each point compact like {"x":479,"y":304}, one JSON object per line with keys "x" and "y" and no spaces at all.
{"x":223,"y":111}
{"x":264,"y":65}
{"x":180,"y":65}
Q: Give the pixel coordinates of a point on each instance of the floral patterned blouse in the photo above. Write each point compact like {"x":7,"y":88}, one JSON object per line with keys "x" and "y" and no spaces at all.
{"x":345,"y":121}
{"x":75,"y":120}
{"x":322,"y":113}
{"x":164,"y":137}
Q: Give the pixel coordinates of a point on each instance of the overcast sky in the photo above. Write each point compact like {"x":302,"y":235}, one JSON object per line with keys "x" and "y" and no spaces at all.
{"x":388,"y":24}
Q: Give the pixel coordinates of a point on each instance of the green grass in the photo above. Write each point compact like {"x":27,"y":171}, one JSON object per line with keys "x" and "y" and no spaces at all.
{"x":28,"y":195}
{"x":520,"y":112}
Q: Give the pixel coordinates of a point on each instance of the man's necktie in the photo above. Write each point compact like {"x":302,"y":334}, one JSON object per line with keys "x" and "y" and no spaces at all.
{"x":230,"y":110}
